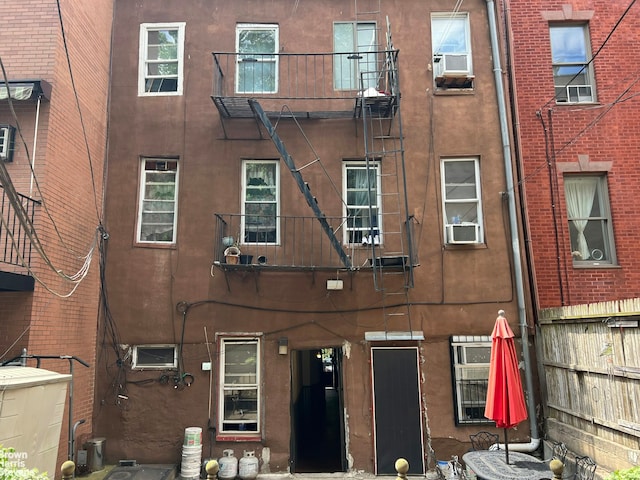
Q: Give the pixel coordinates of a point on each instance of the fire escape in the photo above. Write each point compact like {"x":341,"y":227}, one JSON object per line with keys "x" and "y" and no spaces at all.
{"x":306,"y":89}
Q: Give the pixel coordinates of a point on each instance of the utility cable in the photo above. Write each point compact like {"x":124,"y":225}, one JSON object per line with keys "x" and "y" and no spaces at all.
{"x":593,"y":57}
{"x":75,"y":94}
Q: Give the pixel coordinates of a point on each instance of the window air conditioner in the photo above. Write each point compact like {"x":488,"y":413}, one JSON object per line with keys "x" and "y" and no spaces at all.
{"x":6,"y":142}
{"x":460,"y":233}
{"x":451,"y":64}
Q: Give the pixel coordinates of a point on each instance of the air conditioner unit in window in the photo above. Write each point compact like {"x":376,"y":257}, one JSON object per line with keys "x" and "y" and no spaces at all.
{"x":463,"y":233}
{"x":451,"y":64}
{"x":6,"y":142}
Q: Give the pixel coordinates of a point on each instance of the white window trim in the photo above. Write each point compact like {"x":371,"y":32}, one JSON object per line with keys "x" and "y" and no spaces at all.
{"x":377,"y":164}
{"x":222,"y":338}
{"x":354,"y":83}
{"x":258,"y":26}
{"x":141,"y":193}
{"x":243,"y":201}
{"x":460,"y":365}
{"x":142,"y":59}
{"x":468,"y":52}
{"x":477,"y":200}
{"x":136,"y":365}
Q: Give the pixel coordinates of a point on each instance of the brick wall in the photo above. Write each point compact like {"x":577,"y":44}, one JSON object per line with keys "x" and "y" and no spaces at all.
{"x":602,"y":133}
{"x":70,"y":182}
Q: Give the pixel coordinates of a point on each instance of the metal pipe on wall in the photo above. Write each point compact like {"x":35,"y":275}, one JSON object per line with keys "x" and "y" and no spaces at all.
{"x":35,"y":143}
{"x":515,"y":244}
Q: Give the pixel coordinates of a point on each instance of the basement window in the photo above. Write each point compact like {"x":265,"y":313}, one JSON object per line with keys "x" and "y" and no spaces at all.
{"x":470,"y":356}
{"x":147,"y":357}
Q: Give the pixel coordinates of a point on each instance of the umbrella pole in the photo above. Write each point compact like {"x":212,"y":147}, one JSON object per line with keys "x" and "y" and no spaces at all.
{"x":506,"y":445}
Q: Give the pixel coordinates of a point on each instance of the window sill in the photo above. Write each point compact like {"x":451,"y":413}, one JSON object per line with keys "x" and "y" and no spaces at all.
{"x":165,"y":246}
{"x":254,"y":437}
{"x":598,"y":265}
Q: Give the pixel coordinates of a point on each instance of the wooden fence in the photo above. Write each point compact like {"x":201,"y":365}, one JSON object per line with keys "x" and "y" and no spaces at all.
{"x":590,"y":368}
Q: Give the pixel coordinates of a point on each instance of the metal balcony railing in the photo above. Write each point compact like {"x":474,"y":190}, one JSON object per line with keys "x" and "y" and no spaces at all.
{"x":289,"y":242}
{"x":336,"y":82}
{"x":15,"y":245}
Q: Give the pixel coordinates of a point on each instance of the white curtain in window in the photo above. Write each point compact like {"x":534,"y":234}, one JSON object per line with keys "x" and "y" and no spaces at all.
{"x":580,"y":193}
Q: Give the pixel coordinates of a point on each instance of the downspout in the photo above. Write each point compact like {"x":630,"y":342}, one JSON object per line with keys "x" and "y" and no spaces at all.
{"x":35,"y":142}
{"x":515,"y":244}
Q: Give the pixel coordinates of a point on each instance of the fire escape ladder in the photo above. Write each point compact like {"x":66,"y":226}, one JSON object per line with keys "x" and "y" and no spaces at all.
{"x":391,"y":250}
{"x":302,"y":185}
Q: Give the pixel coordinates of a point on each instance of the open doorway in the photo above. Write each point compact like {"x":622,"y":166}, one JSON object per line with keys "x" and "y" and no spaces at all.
{"x":317,"y":421}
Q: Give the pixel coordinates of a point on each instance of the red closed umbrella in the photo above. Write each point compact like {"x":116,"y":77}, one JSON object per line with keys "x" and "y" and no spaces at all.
{"x":505,"y":397}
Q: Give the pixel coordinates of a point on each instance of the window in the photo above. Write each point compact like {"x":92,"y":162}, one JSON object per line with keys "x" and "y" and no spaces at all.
{"x":358,"y":42}
{"x":589,"y":219}
{"x":461,"y":196}
{"x":572,"y":70}
{"x":161,"y":59}
{"x":157,"y":210}
{"x":7,"y":134}
{"x":363,"y":211}
{"x":240,"y":386}
{"x":260,"y":208}
{"x":154,"y":357}
{"x":451,"y":45}
{"x":257,"y":59}
{"x":471,"y":356}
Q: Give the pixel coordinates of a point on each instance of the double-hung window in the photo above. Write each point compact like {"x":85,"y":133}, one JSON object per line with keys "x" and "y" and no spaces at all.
{"x":158,"y":201}
{"x":589,"y":219}
{"x":260,"y":206}
{"x":239,"y":386}
{"x":471,"y":356}
{"x":572,"y":68}
{"x":161,"y":59}
{"x":451,"y":48}
{"x":362,"y":209}
{"x":356,"y":67}
{"x":462,"y":200}
{"x":257,"y":59}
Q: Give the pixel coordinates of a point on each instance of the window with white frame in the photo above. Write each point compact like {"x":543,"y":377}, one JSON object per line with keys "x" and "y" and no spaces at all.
{"x":161,"y":59}
{"x":260,"y":206}
{"x":589,"y":219}
{"x":362,"y":208}
{"x":357,"y":67}
{"x":257,"y":59}
{"x":571,"y":61}
{"x":7,"y":134}
{"x":471,"y":356}
{"x":451,"y":48}
{"x":158,"y":201}
{"x":462,"y":200}
{"x":239,"y":386}
{"x":154,"y":357}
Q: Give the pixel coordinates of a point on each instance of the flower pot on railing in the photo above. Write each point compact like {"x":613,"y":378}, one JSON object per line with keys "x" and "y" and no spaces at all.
{"x":232,"y":255}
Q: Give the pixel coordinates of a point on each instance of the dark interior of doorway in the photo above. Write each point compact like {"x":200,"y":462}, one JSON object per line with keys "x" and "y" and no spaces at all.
{"x":317,"y":442}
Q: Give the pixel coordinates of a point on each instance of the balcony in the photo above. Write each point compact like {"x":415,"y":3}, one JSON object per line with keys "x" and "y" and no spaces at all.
{"x":321,"y":85}
{"x":297,"y":243}
{"x":15,"y":244}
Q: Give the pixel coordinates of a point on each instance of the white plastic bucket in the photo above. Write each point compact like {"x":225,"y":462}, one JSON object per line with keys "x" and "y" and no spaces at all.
{"x":192,"y":436}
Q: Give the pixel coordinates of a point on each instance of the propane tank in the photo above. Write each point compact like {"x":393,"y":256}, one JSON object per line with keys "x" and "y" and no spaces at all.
{"x":248,"y":466}
{"x":228,"y":465}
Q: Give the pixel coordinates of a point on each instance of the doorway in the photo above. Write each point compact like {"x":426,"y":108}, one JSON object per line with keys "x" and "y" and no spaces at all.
{"x":317,"y":421}
{"x":396,"y":409}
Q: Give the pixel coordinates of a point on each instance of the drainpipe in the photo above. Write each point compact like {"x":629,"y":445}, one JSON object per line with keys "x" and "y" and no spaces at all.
{"x":515,"y":244}
{"x":35,"y":142}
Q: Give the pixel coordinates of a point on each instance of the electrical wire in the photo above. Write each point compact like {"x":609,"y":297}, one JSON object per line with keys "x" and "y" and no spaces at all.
{"x":75,"y":94}
{"x":593,"y":57}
